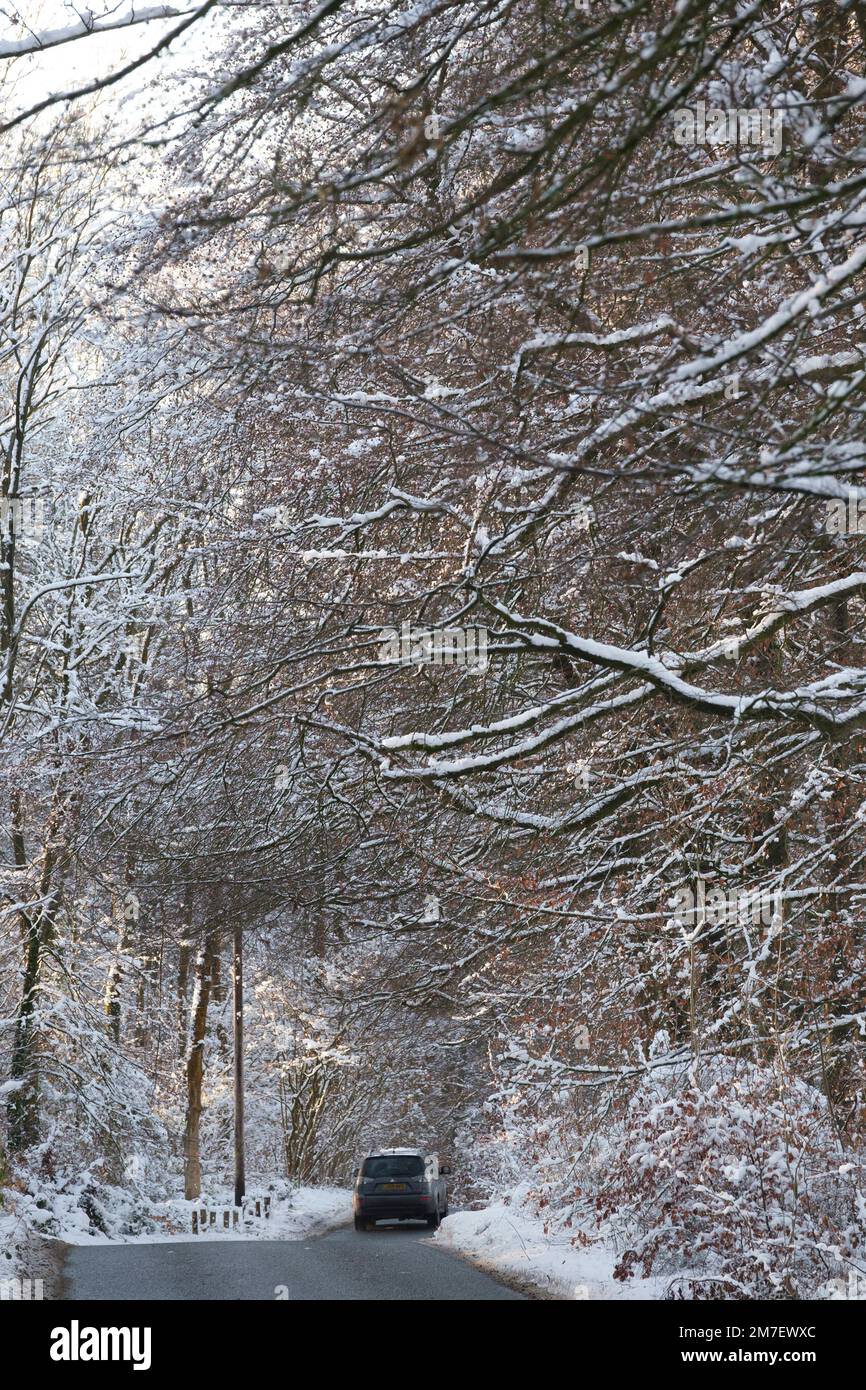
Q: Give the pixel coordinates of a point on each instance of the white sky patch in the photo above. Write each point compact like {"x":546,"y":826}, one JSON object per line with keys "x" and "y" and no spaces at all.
{"x":146,"y":95}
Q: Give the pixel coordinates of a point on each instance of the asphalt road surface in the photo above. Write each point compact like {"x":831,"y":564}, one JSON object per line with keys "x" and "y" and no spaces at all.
{"x":393,"y":1262}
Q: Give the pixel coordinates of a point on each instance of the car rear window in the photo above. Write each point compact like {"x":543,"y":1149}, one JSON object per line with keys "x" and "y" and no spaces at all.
{"x":393,"y":1166}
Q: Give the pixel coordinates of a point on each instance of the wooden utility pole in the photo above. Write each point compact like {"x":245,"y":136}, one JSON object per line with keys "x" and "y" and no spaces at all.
{"x":238,"y":1036}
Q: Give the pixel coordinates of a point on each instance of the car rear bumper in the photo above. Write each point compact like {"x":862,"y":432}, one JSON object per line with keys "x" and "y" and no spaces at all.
{"x":400,"y":1206}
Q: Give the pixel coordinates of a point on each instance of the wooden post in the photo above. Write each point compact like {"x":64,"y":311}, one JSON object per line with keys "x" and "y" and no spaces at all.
{"x":212,"y":1218}
{"x":258,"y":1208}
{"x":202,"y":1218}
{"x":225,"y":1220}
{"x":238,"y":1035}
{"x":267,"y":1206}
{"x":195,"y":1223}
{"x":235,"y":1218}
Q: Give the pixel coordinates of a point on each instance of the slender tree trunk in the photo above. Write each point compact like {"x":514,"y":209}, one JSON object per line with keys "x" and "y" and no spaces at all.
{"x":184,"y":958}
{"x":23,"y":1106}
{"x":841,"y":1046}
{"x":238,"y":1034}
{"x":37,"y":930}
{"x":195,"y":1069}
{"x":112,"y":996}
{"x":183,"y":963}
{"x":128,"y":914}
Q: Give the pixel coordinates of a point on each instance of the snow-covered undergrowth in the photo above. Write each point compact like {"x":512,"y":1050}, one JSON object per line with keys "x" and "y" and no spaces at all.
{"x":84,"y":1212}
{"x":729,"y":1181}
{"x":738,"y":1174}
{"x":10,"y":1232}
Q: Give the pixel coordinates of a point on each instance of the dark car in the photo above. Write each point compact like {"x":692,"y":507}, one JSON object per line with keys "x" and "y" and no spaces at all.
{"x":401,"y":1184}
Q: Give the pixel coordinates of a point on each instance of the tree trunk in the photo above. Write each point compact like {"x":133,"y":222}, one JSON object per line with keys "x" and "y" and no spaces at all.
{"x":37,"y":931}
{"x":23,"y":1106}
{"x":183,"y":963}
{"x":841,"y":989}
{"x":238,"y":1036}
{"x":195,"y":1069}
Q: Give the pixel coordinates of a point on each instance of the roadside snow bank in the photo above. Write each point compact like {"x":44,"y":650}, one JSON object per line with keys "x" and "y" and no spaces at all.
{"x":86,"y":1213}
{"x":305,"y":1211}
{"x":10,"y":1234}
{"x":27,"y":1257}
{"x":507,"y":1241}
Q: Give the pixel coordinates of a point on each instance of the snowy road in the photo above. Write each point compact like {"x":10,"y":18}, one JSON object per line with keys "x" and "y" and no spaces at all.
{"x":392,"y":1262}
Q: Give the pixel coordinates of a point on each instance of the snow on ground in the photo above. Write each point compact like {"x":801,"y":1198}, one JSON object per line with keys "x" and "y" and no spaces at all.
{"x":510,"y":1242}
{"x":306,"y":1211}
{"x":80,"y":1217}
{"x":9,"y":1236}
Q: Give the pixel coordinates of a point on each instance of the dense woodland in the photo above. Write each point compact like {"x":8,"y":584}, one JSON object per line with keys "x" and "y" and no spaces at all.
{"x":319,"y":319}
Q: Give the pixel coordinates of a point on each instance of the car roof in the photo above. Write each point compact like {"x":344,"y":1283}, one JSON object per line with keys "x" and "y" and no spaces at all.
{"x":383,"y":1153}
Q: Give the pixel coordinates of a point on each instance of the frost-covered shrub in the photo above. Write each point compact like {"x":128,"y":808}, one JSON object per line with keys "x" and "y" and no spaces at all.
{"x":80,"y":1205}
{"x":737,"y":1184}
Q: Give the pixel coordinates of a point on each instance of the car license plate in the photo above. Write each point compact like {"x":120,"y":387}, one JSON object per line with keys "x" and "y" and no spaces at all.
{"x":394,"y":1186}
